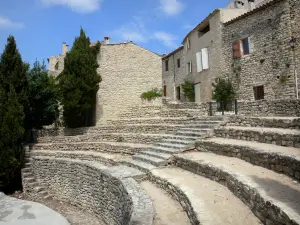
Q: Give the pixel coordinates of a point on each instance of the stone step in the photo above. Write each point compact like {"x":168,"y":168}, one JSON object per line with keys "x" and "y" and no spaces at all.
{"x":156,"y":154}
{"x":47,"y":197}
{"x":150,"y":159}
{"x":177,"y":141}
{"x":205,"y":201}
{"x":273,"y":122}
{"x":114,"y":147}
{"x":26,"y":170}
{"x":164,"y":150}
{"x":32,"y":184}
{"x":197,"y":128}
{"x":192,"y":133}
{"x":38,"y":189}
{"x":277,"y":158}
{"x":27,"y":174}
{"x":29,"y":179}
{"x":170,"y":146}
{"x":278,"y":136}
{"x":274,"y":198}
{"x":27,"y":164}
{"x":141,"y":165}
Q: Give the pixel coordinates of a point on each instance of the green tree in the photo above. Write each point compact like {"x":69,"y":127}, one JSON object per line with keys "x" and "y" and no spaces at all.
{"x":13,"y":71}
{"x":79,"y":82}
{"x":11,"y":133}
{"x":223,"y":90}
{"x":42,"y":97}
{"x":189,"y":90}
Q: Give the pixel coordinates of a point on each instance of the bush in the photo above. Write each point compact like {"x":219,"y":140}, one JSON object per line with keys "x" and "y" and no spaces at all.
{"x":151,"y":95}
{"x":189,"y":91}
{"x":224,"y":90}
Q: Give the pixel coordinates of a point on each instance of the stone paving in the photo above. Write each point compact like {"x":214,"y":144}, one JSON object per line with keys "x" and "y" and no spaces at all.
{"x":19,"y":212}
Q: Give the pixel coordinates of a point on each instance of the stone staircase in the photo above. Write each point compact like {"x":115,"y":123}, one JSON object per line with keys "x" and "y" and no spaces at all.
{"x":235,"y":170}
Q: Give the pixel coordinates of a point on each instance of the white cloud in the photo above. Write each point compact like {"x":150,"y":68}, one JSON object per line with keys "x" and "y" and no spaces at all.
{"x":167,"y":39}
{"x":80,"y":6}
{"x":171,"y":7}
{"x":7,"y":23}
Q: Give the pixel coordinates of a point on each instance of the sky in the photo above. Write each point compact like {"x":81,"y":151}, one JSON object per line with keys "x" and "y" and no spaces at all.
{"x":40,"y":26}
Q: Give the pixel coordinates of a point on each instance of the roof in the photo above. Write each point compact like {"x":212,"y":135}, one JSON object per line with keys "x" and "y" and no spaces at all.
{"x":202,"y":23}
{"x":176,"y":50}
{"x":255,"y":10}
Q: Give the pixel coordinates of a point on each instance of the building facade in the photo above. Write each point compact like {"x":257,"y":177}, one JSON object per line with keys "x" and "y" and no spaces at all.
{"x":127,"y":70}
{"x":257,"y":51}
{"x":200,"y":57}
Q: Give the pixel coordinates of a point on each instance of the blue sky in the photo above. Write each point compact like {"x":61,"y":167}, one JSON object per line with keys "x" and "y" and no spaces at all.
{"x":40,"y":26}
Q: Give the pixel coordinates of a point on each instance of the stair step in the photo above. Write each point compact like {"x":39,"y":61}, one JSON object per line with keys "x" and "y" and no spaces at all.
{"x":156,"y":154}
{"x":33,"y":184}
{"x":144,"y":166}
{"x":212,"y":203}
{"x":177,"y":141}
{"x":47,"y":197}
{"x":150,"y":159}
{"x":38,"y":189}
{"x":169,"y":145}
{"x":27,"y":174}
{"x":164,"y":150}
{"x":278,"y":158}
{"x":273,"y":197}
{"x":29,"y":179}
{"x":27,"y":164}
{"x":192,"y":133}
{"x":26,"y":170}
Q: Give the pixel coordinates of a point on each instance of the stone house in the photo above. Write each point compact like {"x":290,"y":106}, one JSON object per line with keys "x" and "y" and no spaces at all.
{"x":257,"y":53}
{"x":198,"y":60}
{"x":127,"y":70}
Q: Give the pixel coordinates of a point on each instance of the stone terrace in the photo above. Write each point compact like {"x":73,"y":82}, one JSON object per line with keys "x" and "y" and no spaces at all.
{"x":247,"y":168}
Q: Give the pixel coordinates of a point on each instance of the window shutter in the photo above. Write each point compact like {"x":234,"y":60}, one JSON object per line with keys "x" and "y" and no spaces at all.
{"x":205,"y":64}
{"x":187,"y":68}
{"x":190,"y":66}
{"x":251,"y":44}
{"x":188,"y":43}
{"x":199,"y":62}
{"x":236,"y":48}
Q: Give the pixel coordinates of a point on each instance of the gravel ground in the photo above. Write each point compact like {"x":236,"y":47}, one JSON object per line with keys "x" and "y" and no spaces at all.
{"x":73,"y":214}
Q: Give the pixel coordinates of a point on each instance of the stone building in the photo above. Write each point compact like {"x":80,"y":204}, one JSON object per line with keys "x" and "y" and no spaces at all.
{"x":257,"y":51}
{"x":127,"y":70}
{"x":198,"y":60}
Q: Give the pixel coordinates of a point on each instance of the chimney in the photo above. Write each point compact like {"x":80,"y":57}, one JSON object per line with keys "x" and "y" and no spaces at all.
{"x":65,"y":48}
{"x":106,"y":40}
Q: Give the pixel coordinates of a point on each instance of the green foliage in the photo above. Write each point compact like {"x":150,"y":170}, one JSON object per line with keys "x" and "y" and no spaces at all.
{"x":189,"y":91}
{"x":223,"y":90}
{"x":11,"y":133}
{"x":79,"y":82}
{"x":151,"y":95}
{"x":42,"y":97}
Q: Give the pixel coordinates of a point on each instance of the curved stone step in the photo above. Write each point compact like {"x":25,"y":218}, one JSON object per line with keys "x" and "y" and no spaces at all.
{"x":273,"y":197}
{"x":205,"y":201}
{"x":164,"y":145}
{"x":156,"y":154}
{"x":150,"y":159}
{"x":277,"y":158}
{"x":278,"y":136}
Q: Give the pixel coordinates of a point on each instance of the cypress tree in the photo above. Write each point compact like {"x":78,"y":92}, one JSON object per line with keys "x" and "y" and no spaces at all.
{"x":79,"y":82}
{"x":11,"y":133}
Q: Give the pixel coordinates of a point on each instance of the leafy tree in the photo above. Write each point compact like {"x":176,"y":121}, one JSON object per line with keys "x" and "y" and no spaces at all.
{"x":79,"y":82}
{"x":189,"y":90}
{"x":42,"y":97}
{"x":223,"y":90}
{"x":11,"y":133}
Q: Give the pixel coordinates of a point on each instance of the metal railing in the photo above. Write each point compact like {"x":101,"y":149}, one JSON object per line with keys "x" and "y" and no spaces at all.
{"x":229,"y":107}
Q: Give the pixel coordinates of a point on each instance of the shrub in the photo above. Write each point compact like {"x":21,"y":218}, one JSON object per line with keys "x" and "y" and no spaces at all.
{"x":151,"y":95}
{"x":223,"y":90}
{"x":189,"y":91}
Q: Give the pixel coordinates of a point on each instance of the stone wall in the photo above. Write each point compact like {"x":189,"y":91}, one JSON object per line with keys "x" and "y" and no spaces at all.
{"x":127,"y":71}
{"x":111,"y":197}
{"x":269,"y":31}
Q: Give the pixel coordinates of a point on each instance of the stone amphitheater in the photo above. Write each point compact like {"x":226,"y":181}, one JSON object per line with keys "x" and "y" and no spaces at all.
{"x":160,"y":164}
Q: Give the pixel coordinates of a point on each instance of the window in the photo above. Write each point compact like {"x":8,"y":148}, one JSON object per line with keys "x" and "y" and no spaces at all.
{"x":178,"y":93}
{"x":242,"y":47}
{"x":245,"y":46}
{"x":56,"y":66}
{"x":202,"y":60}
{"x":203,"y":31}
{"x":178,"y":63}
{"x":189,"y":67}
{"x":165,"y":90}
{"x":259,"y":92}
{"x":188,"y":44}
{"x":167,"y":65}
